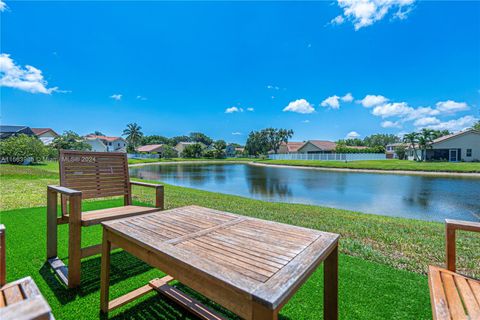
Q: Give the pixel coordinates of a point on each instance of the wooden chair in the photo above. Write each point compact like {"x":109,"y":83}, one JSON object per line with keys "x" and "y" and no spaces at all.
{"x":86,"y":175}
{"x":454,"y":296}
{"x":20,"y":299}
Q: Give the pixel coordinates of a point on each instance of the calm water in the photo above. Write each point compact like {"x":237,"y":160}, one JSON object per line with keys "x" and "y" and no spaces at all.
{"x":410,"y":196}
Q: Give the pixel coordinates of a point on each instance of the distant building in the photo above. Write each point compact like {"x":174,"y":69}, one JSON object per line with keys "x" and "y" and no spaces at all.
{"x":7,"y":131}
{"x":151,"y":148}
{"x":181,"y":146}
{"x":290,"y":147}
{"x":106,"y":144}
{"x":230,"y":151}
{"x":46,"y":135}
{"x":460,"y":146}
{"x":317,"y":146}
{"x":390,"y":150}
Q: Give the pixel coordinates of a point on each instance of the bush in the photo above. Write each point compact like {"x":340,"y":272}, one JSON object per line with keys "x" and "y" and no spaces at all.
{"x":169,"y":152}
{"x":192,"y":151}
{"x":346,"y":149}
{"x":21,"y":148}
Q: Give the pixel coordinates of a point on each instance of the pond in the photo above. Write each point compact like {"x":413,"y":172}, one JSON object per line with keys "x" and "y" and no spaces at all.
{"x":410,"y":196}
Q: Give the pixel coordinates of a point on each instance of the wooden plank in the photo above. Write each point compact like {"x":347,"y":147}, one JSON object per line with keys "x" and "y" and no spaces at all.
{"x":51,"y":224}
{"x":466,"y":293}
{"x":463,"y":225}
{"x":2,"y":300}
{"x":35,"y":308}
{"x":187,"y":302}
{"x":105,"y":272}
{"x":455,"y":305}
{"x":137,"y":293}
{"x":92,"y":218}
{"x":13,"y":294}
{"x":475,"y":286}
{"x":437,"y":295}
{"x":450,"y":248}
{"x":74,"y":242}
{"x":330,"y":289}
{"x":60,"y":269}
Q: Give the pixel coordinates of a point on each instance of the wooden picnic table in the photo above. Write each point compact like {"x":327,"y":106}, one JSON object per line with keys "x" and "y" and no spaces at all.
{"x":249,"y":266}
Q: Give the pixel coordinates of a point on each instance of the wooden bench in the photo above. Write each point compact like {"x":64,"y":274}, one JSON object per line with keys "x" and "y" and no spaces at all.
{"x":454,"y":296}
{"x":20,"y":299}
{"x":87,"y":175}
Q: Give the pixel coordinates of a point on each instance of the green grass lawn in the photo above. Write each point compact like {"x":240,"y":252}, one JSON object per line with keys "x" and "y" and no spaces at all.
{"x":384,"y":165}
{"x":382,"y":264}
{"x":134,"y":161}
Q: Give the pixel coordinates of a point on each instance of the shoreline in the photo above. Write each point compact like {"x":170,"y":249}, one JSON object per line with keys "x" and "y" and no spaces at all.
{"x":400,"y":172}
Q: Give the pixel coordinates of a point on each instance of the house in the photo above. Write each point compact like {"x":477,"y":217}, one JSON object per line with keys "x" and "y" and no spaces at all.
{"x":390,"y":150}
{"x":181,"y":146}
{"x":460,"y":146}
{"x":7,"y":131}
{"x":317,"y":146}
{"x":106,"y":144}
{"x":151,"y":148}
{"x":46,"y":135}
{"x":290,"y":147}
{"x":230,"y":151}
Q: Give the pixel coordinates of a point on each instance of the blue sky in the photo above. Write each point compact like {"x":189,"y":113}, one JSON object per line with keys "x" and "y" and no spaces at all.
{"x":323,"y":69}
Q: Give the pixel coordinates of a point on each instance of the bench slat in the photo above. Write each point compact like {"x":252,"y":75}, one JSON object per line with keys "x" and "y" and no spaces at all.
{"x":454,"y":301}
{"x":12,"y":294}
{"x":469,"y":300}
{"x":437,"y":294}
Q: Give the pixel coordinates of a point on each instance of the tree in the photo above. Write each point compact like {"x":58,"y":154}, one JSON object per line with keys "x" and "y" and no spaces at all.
{"x":97,"y":133}
{"x":440,"y":133}
{"x":70,"y":140}
{"x":476,"y":126}
{"x":276,"y":137}
{"x":425,"y":139}
{"x":257,"y":143}
{"x":356,"y":142}
{"x":169,"y":152}
{"x":219,"y":149}
{"x":134,"y":135}
{"x":155,"y":139}
{"x":18,"y":149}
{"x":175,"y":140}
{"x":401,"y":152}
{"x":412,"y":140}
{"x":200,"y":137}
{"x":192,"y":151}
{"x":380,"y":140}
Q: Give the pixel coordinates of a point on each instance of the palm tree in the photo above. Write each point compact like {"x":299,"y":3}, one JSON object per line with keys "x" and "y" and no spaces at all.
{"x":134,"y":135}
{"x":412,"y":140}
{"x":425,"y":140}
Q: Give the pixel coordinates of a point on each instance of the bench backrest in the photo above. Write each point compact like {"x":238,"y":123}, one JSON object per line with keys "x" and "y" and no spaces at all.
{"x":96,"y":174}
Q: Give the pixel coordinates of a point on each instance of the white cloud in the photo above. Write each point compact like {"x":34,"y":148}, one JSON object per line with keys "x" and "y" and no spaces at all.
{"x":352,"y":135}
{"x":451,"y":106}
{"x":391,"y":124}
{"x":300,"y":106}
{"x":423,"y":122}
{"x":364,"y":13}
{"x":419,"y":113}
{"x":3,"y":6}
{"x":250,"y":109}
{"x":273,"y":87}
{"x":237,"y":133}
{"x":396,"y":109}
{"x":116,"y":96}
{"x":337,"y":20}
{"x":28,"y":79}
{"x":347,"y":98}
{"x":371,"y":100}
{"x":331,"y":102}
{"x":141,"y":98}
{"x":455,"y":125}
{"x":233,"y":110}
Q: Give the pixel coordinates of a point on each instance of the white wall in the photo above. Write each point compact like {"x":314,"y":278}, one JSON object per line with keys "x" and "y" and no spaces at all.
{"x":470,"y":140}
{"x":97,"y":145}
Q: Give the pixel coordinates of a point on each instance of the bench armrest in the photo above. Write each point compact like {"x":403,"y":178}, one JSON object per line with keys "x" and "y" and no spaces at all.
{"x":64,"y":190}
{"x":451,"y":227}
{"x":159,"y":192}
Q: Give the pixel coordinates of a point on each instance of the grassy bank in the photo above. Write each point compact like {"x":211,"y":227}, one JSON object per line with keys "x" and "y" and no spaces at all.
{"x":135,"y":161}
{"x":384,"y":165}
{"x":382,"y":265}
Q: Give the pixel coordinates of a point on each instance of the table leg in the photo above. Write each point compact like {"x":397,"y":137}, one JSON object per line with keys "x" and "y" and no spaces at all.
{"x":260,"y":312}
{"x":51,"y":224}
{"x":105,"y":272}
{"x":330,"y":289}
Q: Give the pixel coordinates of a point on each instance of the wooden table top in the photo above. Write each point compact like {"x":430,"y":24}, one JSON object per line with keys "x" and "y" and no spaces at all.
{"x":263,"y":259}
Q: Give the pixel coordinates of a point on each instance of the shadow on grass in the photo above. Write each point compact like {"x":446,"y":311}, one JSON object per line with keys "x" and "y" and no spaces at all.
{"x":123,"y":266}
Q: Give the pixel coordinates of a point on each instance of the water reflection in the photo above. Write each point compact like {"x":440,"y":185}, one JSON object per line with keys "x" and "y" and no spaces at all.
{"x":420,"y":197}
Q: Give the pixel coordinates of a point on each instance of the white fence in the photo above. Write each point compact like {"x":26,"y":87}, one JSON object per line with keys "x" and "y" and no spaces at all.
{"x":142,"y":156}
{"x":329,"y":156}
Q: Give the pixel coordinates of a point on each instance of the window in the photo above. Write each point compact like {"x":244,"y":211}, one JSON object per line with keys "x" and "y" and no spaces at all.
{"x":469,"y":152}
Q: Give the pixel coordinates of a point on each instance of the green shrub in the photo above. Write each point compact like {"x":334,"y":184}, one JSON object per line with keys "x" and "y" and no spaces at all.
{"x":21,"y":148}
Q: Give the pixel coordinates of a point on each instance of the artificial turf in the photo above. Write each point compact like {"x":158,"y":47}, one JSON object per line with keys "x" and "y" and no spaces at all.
{"x":367,"y":290}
